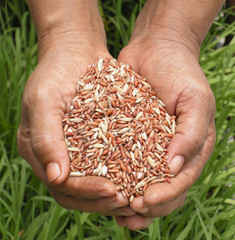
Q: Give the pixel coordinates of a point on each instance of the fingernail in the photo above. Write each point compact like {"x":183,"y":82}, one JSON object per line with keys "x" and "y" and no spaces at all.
{"x":53,"y":172}
{"x":177,"y":163}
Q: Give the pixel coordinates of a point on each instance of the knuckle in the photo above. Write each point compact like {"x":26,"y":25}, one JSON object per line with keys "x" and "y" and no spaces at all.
{"x":206,"y":98}
{"x":41,"y":145}
{"x":36,"y":93}
{"x":210,"y":99}
{"x":19,"y":141}
{"x":200,"y":94}
{"x":197,"y":144}
{"x":22,"y":140}
{"x":33,"y":97}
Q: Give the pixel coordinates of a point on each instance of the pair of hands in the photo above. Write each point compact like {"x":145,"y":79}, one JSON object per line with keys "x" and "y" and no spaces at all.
{"x":171,"y":67}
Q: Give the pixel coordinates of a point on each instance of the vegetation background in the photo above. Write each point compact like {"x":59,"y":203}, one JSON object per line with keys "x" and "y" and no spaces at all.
{"x":28,"y":212}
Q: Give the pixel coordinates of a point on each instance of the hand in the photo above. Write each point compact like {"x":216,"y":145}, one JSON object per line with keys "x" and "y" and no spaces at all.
{"x":172,"y":69}
{"x":70,"y":37}
{"x":47,"y":96}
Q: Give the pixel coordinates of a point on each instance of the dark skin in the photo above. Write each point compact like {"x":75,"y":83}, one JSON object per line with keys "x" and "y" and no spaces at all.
{"x":164,"y":48}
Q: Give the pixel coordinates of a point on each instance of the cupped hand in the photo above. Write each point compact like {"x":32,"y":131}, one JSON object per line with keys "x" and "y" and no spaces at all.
{"x":47,"y":97}
{"x":172,"y":69}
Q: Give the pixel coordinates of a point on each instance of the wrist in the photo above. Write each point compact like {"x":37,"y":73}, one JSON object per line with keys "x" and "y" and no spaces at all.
{"x":184,"y":23}
{"x":71,"y":42}
{"x":74,"y":22}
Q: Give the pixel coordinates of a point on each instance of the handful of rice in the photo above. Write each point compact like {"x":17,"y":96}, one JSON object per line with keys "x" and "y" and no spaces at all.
{"x":117,"y":128}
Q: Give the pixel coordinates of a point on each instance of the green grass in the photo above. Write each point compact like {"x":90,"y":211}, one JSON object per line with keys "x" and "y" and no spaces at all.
{"x":26,"y":209}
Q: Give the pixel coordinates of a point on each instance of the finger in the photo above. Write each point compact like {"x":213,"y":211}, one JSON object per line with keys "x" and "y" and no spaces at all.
{"x":85,"y":187}
{"x":120,"y":220}
{"x":139,"y":205}
{"x":166,"y":192}
{"x":137,"y":222}
{"x":41,"y":118}
{"x":162,"y":210}
{"x":46,"y":134}
{"x":158,"y":210}
{"x":50,"y":149}
{"x":194,"y":118}
{"x":123,"y":211}
{"x":114,"y":206}
{"x":177,"y":162}
{"x":191,"y":170}
{"x":89,"y":187}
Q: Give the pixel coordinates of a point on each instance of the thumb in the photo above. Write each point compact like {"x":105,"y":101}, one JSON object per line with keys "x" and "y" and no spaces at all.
{"x":191,"y":131}
{"x":48,"y":145}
